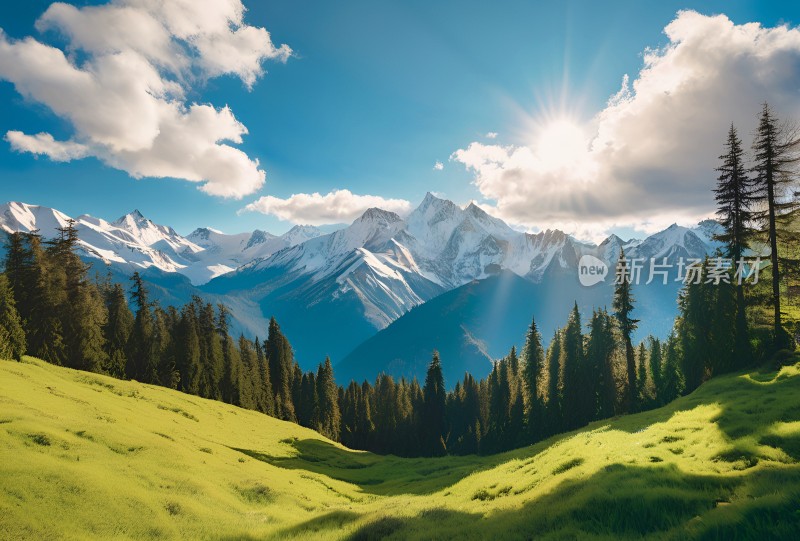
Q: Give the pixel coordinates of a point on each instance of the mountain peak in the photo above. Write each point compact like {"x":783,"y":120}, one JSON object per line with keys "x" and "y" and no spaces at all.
{"x":375,"y":214}
{"x":135,"y":217}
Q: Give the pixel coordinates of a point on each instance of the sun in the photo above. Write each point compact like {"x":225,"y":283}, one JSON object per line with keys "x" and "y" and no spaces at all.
{"x":560,"y":144}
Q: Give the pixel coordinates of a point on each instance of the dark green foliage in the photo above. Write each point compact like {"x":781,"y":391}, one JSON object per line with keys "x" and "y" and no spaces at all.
{"x":735,"y":200}
{"x":328,"y":395}
{"x":623,"y":307}
{"x":281,"y":371}
{"x":601,"y":352}
{"x":533,"y":383}
{"x":775,"y":156}
{"x":12,"y":335}
{"x":117,"y":330}
{"x":434,"y":400}
{"x":577,"y":399}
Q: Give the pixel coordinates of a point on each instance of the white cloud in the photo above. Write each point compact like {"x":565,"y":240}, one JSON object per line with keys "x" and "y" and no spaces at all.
{"x":45,"y":144}
{"x":491,"y":135}
{"x":649,"y":156}
{"x":338,"y":206}
{"x":438,"y":166}
{"x":121,"y":81}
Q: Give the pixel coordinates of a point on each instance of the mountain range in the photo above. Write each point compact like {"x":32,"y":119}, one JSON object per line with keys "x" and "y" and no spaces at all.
{"x":383,"y":292}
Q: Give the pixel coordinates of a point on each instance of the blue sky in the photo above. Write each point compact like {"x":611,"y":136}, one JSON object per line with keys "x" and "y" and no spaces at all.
{"x":374,"y":95}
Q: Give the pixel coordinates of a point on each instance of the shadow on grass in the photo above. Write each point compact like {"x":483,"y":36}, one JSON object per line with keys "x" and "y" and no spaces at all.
{"x":750,"y":403}
{"x":378,"y":474}
{"x":625,"y":502}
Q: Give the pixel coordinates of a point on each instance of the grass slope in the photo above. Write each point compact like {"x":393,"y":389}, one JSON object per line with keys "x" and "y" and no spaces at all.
{"x":85,"y":456}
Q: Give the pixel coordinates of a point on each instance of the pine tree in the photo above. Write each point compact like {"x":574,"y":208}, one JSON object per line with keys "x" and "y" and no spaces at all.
{"x":696,"y":304}
{"x":80,"y":306}
{"x":327,"y":392}
{"x":554,"y":386}
{"x":656,"y":369}
{"x":264,"y":393}
{"x":641,"y":377}
{"x":12,"y":334}
{"x":672,"y":382}
{"x":734,"y":202}
{"x":576,"y":402}
{"x":434,"y":394}
{"x":775,"y":157}
{"x":44,"y":293}
{"x":18,"y":271}
{"x":281,"y":370}
{"x":623,"y":306}
{"x":533,"y":382}
{"x":117,"y":330}
{"x":188,"y":350}
{"x":141,"y":365}
{"x":601,"y":352}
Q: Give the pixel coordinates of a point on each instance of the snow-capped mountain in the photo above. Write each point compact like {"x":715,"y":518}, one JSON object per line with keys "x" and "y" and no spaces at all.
{"x":134,"y":242}
{"x":333,"y":291}
{"x":370,"y":273}
{"x":239,"y":249}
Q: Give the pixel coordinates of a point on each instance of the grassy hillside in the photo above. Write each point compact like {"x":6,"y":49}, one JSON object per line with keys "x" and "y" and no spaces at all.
{"x":84,"y":456}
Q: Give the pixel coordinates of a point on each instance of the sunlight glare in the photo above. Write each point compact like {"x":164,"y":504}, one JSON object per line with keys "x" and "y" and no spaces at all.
{"x":561,"y":144}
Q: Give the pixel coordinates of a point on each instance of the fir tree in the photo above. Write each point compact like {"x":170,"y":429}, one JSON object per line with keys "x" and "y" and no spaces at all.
{"x":434,"y":394}
{"x":623,"y":306}
{"x":327,"y":392}
{"x":117,"y":330}
{"x":601,"y":352}
{"x":141,"y":365}
{"x":577,"y":401}
{"x":672,"y":383}
{"x":775,"y":157}
{"x":12,"y":334}
{"x":281,"y":371}
{"x":533,"y":382}
{"x":554,"y":386}
{"x":655,"y":358}
{"x":734,"y":202}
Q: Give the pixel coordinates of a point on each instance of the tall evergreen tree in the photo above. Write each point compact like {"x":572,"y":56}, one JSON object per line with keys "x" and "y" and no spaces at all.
{"x":578,"y":401}
{"x":775,"y":158}
{"x":554,"y":386}
{"x":696,"y":305}
{"x":533,"y":382}
{"x":734,"y":207}
{"x":623,"y":307}
{"x":117,"y":330}
{"x":641,"y":376}
{"x":672,"y":382}
{"x":141,"y":364}
{"x":281,"y":370}
{"x":434,"y":395}
{"x":601,"y":352}
{"x":12,"y":334}
{"x":327,"y":393}
{"x":655,"y":358}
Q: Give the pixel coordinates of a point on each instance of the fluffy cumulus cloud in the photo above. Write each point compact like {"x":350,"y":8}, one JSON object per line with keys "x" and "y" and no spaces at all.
{"x":122,"y":81}
{"x":648,"y":158}
{"x":438,"y":166}
{"x":338,"y":206}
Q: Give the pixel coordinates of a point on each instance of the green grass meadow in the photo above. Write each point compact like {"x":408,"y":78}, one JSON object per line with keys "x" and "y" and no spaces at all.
{"x":86,"y":456}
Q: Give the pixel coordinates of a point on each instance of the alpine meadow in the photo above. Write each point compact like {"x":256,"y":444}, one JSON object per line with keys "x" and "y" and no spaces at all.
{"x":480,"y":289}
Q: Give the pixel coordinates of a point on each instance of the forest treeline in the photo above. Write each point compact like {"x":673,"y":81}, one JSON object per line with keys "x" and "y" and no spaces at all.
{"x":52,"y":308}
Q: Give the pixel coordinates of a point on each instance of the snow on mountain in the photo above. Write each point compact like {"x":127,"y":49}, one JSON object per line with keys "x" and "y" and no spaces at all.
{"x":242,"y":248}
{"x":134,"y":242}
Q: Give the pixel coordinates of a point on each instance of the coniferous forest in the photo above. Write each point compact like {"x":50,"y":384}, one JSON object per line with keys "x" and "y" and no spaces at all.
{"x":53,"y":307}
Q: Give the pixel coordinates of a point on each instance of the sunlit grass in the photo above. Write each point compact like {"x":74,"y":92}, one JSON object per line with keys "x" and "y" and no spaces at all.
{"x":89,"y":456}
